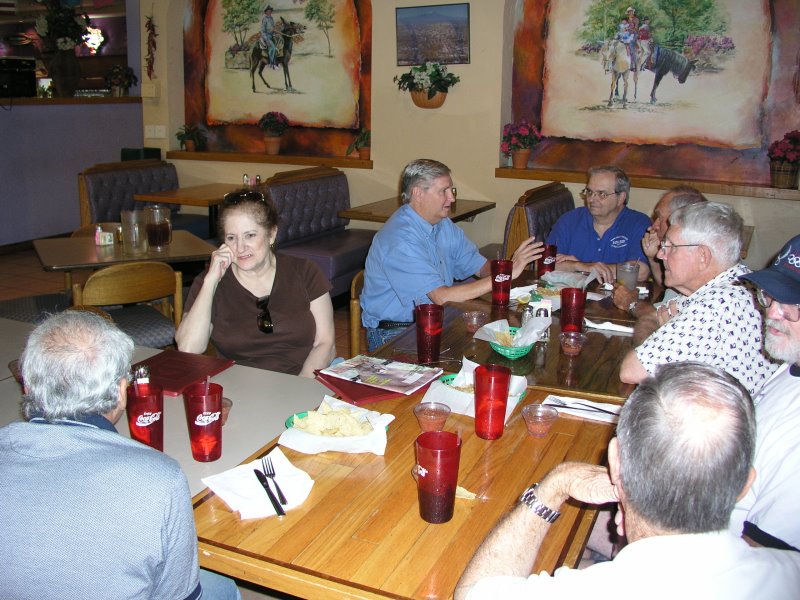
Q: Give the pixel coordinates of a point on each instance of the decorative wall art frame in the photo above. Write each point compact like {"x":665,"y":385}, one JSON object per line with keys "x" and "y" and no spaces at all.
{"x":727,"y":90}
{"x":323,"y":87}
{"x":436,"y":33}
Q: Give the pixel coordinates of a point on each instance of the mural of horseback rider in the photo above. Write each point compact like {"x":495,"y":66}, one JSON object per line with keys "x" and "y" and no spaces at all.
{"x":268,"y":36}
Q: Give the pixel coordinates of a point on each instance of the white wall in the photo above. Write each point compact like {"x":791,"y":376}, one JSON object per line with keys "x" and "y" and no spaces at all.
{"x":464,"y":133}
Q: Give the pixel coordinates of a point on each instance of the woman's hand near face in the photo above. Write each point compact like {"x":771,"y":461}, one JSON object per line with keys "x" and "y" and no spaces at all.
{"x":221,"y":260}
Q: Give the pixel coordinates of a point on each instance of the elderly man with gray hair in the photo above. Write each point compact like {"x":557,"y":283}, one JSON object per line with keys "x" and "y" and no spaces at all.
{"x":420,"y":254}
{"x":716,"y":321}
{"x":681,"y":458}
{"x":88,"y":513}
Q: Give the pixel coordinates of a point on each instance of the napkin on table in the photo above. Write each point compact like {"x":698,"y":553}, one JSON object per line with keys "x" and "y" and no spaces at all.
{"x":584,"y":413}
{"x":569,"y":278}
{"x":242,"y":492}
{"x":374,"y":442}
{"x":608,"y":326}
{"x":463,"y":403}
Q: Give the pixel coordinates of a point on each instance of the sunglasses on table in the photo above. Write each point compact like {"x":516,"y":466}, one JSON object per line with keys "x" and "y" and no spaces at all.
{"x":264,"y":320}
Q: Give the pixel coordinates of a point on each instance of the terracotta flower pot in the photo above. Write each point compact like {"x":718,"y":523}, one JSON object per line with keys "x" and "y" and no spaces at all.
{"x":189,"y":145}
{"x":363,"y":153}
{"x":421,"y":99}
{"x":272,"y":144}
{"x":783,"y":174}
{"x":519,"y":158}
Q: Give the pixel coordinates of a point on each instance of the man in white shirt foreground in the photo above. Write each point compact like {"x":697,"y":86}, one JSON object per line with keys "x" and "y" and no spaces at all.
{"x":681,"y":458}
{"x":767,"y":515}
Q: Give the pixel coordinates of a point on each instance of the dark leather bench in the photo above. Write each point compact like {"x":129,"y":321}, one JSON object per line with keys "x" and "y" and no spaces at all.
{"x":308,"y":202}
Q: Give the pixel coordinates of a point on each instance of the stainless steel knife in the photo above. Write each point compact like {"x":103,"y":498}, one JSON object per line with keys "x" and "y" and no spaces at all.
{"x":265,"y":484}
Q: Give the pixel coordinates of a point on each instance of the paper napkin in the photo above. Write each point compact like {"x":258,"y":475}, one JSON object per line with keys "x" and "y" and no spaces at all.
{"x":242,"y":492}
{"x":463,"y":403}
{"x":375,"y":442}
{"x":608,"y":326}
{"x":580,"y":408}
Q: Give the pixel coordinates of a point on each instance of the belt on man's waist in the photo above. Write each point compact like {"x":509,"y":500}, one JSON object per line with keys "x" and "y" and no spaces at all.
{"x":394,"y":324}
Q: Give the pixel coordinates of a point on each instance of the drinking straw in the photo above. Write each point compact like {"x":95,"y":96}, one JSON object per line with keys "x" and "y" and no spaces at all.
{"x":208,"y":378}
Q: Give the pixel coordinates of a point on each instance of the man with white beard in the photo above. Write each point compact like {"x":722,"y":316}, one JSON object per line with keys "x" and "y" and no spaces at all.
{"x":767,"y":515}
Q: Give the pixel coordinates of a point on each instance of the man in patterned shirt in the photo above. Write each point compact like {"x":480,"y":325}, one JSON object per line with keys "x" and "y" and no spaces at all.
{"x":717,"y":321}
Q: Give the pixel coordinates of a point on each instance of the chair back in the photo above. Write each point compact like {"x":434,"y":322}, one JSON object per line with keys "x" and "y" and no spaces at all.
{"x":535,"y":213}
{"x":355,"y":313}
{"x":130,"y":283}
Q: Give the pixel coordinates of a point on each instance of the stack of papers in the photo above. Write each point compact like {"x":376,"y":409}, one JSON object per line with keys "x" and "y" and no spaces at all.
{"x":387,"y":374}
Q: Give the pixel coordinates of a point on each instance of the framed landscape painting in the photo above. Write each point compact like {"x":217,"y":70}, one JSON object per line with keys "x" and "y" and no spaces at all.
{"x":437,"y":33}
{"x":672,"y":89}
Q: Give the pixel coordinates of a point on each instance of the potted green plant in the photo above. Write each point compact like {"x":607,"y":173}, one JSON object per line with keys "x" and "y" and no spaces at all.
{"x":518,"y":139}
{"x":428,"y":84}
{"x":361,"y":144}
{"x":191,"y":137}
{"x":120,"y":79}
{"x":273,"y":124}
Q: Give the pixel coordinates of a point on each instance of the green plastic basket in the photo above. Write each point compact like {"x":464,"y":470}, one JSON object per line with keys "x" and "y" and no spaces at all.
{"x":511,"y":352}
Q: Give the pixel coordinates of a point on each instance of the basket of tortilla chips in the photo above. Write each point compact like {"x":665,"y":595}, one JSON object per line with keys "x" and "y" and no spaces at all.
{"x":504,"y":346}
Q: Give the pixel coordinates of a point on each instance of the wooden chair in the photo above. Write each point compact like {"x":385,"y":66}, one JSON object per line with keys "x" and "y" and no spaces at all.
{"x":535,"y":213}
{"x":89,"y":231}
{"x":355,"y":313}
{"x":134,"y":286}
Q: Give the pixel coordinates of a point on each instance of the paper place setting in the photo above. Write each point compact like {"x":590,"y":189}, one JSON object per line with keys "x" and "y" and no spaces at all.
{"x":374,"y":442}
{"x":463,"y":402}
{"x":608,"y":326}
{"x":240,"y":489}
{"x":585,"y":409}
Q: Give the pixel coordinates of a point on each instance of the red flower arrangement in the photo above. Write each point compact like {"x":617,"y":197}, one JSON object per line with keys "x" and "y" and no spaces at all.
{"x":787,"y":149}
{"x":519,"y":136}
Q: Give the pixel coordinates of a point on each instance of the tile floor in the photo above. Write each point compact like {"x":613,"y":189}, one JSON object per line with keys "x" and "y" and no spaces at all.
{"x":21,"y":274}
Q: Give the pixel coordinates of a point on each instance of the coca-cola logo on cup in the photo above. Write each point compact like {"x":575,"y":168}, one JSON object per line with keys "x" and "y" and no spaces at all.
{"x":206,"y":418}
{"x":501,"y":277}
{"x":148,"y":418}
{"x":549,"y":260}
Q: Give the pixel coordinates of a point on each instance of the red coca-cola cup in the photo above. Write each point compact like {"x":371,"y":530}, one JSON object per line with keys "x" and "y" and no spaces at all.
{"x":203,"y":416}
{"x":573,"y":304}
{"x":145,"y":408}
{"x":491,"y":398}
{"x":436,"y":472}
{"x":501,"y":281}
{"x":547,"y":261}
{"x":429,"y":318}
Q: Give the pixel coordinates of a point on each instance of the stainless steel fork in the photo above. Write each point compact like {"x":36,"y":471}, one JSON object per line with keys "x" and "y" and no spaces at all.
{"x":269,"y":471}
{"x":579,"y":406}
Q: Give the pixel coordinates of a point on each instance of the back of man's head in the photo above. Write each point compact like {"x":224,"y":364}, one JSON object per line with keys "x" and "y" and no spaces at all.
{"x":684,"y":195}
{"x":686,"y":439}
{"x":713,"y":224}
{"x":420,"y":172}
{"x":72,"y":365}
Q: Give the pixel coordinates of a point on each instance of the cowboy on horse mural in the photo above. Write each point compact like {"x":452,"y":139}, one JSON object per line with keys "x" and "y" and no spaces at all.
{"x":267,"y":36}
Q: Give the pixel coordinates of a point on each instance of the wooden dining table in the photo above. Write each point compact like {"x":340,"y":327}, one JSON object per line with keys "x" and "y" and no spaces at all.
{"x":359,"y":533}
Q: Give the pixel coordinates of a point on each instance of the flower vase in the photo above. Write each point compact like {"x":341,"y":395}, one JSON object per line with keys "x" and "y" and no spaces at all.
{"x":65,"y":70}
{"x":272,"y":144}
{"x":783,"y":174}
{"x":117,"y":91}
{"x":421,"y":99}
{"x":519,"y":158}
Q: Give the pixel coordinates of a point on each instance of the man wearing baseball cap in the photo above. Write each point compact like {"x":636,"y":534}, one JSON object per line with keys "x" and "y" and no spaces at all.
{"x":767,"y":515}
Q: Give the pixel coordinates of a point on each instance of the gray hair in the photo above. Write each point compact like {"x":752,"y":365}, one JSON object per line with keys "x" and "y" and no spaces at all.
{"x":686,"y":439}
{"x":420,"y":173}
{"x":684,"y":195}
{"x":713,"y":224}
{"x":621,"y":181}
{"x":72,"y":365}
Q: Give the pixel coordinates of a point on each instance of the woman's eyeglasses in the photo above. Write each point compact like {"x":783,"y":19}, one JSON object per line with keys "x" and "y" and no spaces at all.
{"x":243,"y":196}
{"x":264,"y":320}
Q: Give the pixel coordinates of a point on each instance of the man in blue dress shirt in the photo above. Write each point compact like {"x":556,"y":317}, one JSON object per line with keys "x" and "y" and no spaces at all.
{"x":603,"y":233}
{"x":420,"y":254}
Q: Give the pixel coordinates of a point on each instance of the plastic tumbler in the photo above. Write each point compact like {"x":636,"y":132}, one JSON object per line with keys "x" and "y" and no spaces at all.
{"x":203,"y":416}
{"x":134,"y":232}
{"x":491,"y":397}
{"x":501,"y":281}
{"x":547,"y":261}
{"x":628,"y":274}
{"x":429,"y":319}
{"x":436,"y":472}
{"x":573,"y":303}
{"x":145,"y":410}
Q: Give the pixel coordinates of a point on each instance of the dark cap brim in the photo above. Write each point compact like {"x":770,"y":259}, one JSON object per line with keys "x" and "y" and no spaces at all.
{"x":783,"y":288}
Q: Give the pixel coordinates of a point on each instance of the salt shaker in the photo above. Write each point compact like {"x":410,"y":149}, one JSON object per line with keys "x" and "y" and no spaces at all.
{"x":527,"y":314}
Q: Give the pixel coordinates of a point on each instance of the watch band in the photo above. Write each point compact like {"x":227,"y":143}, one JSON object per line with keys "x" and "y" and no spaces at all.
{"x":531,"y":501}
{"x":632,"y":307}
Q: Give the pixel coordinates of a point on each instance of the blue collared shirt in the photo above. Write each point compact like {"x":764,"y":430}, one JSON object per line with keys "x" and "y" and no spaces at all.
{"x":574,"y":234}
{"x":409,"y":258}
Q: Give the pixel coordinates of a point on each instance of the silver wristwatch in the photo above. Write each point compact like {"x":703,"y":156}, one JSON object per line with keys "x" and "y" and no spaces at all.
{"x":632,"y":307}
{"x":529,"y":498}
